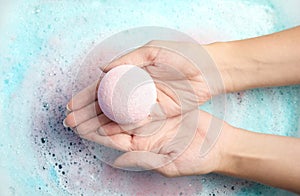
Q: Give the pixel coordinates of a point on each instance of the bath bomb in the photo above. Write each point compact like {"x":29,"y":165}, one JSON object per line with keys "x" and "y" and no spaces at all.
{"x":126,"y":94}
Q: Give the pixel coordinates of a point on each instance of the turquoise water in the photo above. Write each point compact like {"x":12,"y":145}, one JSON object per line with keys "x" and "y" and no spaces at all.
{"x":41,"y":46}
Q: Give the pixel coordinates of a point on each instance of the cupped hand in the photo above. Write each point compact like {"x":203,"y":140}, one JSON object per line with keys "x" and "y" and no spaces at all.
{"x":180,"y":145}
{"x":179,"y":83}
{"x":175,"y":149}
{"x":185,"y":145}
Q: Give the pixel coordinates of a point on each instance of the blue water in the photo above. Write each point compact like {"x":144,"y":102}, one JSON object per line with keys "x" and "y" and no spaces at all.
{"x":42,"y":44}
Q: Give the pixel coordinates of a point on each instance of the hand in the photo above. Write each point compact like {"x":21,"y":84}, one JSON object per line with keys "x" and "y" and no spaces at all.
{"x":185,"y":145}
{"x":181,"y":146}
{"x":172,"y":146}
{"x":180,"y":86}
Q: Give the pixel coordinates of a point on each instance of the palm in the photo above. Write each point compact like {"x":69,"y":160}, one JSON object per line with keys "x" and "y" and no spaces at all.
{"x":180,"y":85}
{"x":175,"y":149}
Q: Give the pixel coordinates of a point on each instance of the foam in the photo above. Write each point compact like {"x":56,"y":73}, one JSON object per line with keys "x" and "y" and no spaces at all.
{"x":43,"y":45}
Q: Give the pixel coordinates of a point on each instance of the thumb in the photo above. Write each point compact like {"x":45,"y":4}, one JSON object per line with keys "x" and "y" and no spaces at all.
{"x":138,"y":57}
{"x":141,"y":160}
{"x":157,"y":112}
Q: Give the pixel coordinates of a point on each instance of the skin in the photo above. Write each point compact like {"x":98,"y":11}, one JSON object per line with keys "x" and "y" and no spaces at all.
{"x":271,"y":60}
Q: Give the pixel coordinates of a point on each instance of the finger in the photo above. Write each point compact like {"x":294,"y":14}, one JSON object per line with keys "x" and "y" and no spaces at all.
{"x":139,"y":57}
{"x":175,"y":55}
{"x":77,"y":117}
{"x":148,"y":129}
{"x":68,"y":112}
{"x":119,"y":141}
{"x":110,"y":128}
{"x":157,"y":112}
{"x":84,"y":97}
{"x":130,"y":128}
{"x":168,"y":98}
{"x":166,"y":106}
{"x":92,"y":125}
{"x":141,"y":159}
{"x":168,"y":91}
{"x":142,"y":128}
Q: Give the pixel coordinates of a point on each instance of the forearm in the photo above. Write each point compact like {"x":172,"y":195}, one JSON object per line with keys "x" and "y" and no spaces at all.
{"x":271,"y":60}
{"x":269,"y":159}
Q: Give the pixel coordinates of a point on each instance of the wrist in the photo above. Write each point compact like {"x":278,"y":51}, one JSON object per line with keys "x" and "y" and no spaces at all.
{"x":237,"y":151}
{"x":237,"y":68}
{"x":220,"y":53}
{"x":260,"y":157}
{"x":226,"y":154}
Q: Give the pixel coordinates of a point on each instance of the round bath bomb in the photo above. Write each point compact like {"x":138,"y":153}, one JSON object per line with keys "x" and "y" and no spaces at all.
{"x":126,"y":94}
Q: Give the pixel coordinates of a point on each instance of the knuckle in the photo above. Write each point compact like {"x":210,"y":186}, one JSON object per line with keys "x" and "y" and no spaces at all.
{"x":102,"y":131}
{"x":86,"y":136}
{"x":167,"y":172}
{"x":83,"y":136}
{"x":167,"y":175}
{"x":81,"y":130}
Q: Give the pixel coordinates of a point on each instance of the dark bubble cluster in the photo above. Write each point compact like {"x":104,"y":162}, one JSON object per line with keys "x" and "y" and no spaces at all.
{"x":58,"y":148}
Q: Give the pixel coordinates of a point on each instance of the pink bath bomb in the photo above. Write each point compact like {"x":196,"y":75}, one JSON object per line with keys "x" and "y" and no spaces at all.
{"x":126,"y":94}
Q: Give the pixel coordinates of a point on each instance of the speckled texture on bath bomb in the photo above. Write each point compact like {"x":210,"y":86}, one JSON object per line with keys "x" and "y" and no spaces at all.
{"x":126,"y":94}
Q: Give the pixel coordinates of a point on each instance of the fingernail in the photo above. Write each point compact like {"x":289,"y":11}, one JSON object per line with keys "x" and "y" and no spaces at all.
{"x":67,"y":107}
{"x":64,"y":123}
